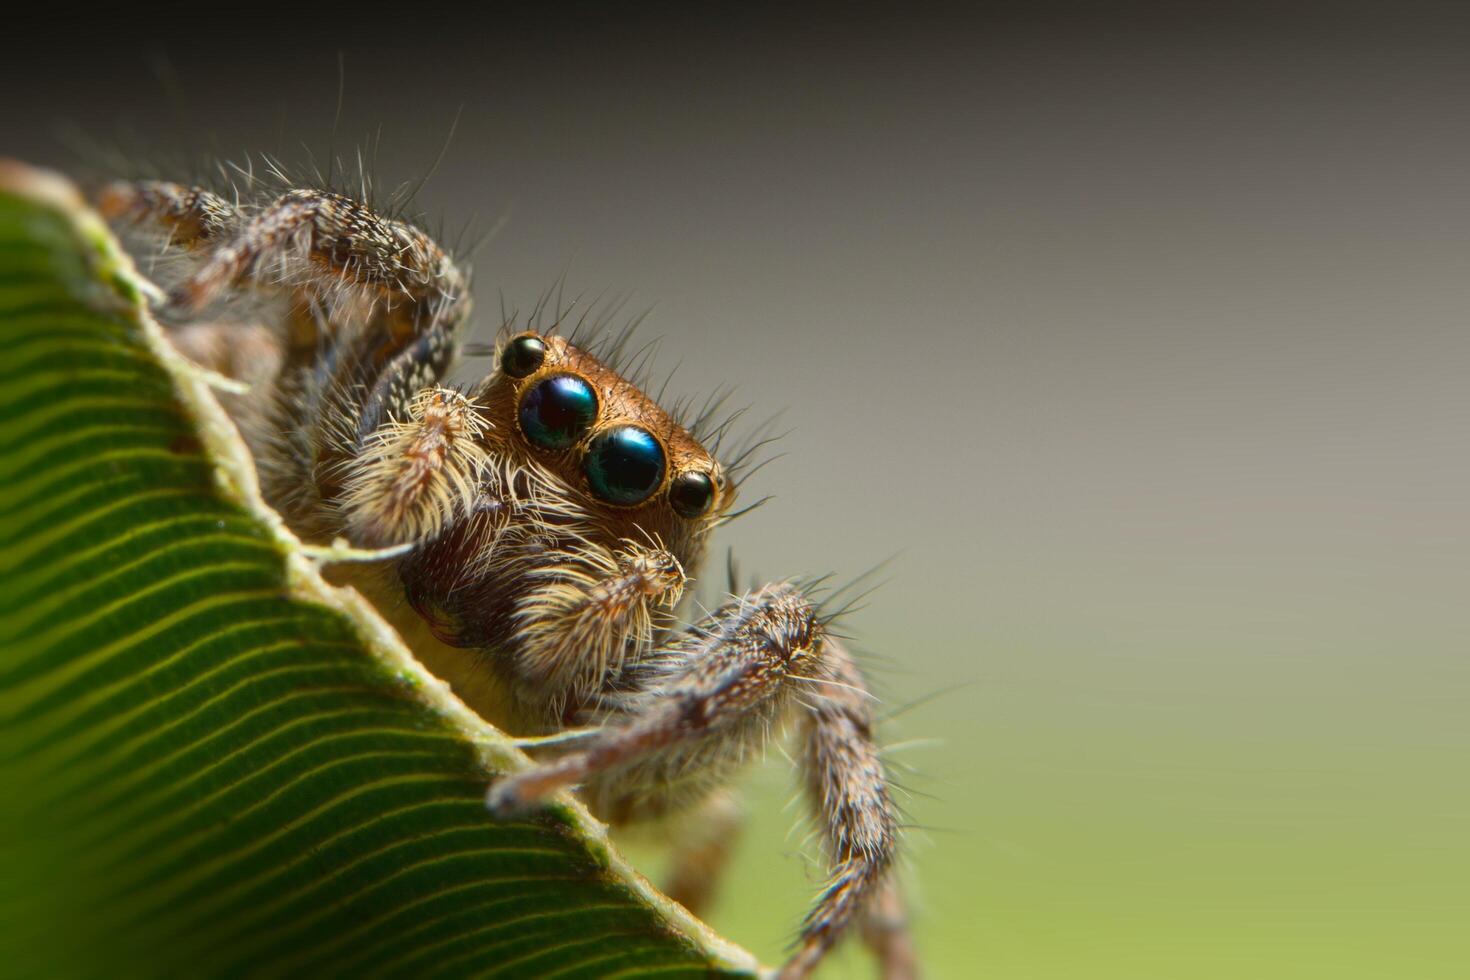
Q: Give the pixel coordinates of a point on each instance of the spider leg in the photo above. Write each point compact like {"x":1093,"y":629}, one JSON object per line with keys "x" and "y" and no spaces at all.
{"x":702,"y":850}
{"x":885,"y":931}
{"x":848,"y":790}
{"x":569,"y":737}
{"x":689,"y":709}
{"x":193,"y":216}
{"x":352,"y":416}
{"x":192,"y":219}
{"x":709,"y":698}
{"x":369,"y":433}
{"x":343,"y":238}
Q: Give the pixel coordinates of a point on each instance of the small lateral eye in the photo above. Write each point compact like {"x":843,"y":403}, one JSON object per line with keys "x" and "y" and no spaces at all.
{"x":523,"y":355}
{"x":557,"y":412}
{"x":691,"y":493}
{"x":624,"y":465}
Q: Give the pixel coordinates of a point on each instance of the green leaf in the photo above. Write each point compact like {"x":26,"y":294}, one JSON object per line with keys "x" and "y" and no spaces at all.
{"x":212,"y":762}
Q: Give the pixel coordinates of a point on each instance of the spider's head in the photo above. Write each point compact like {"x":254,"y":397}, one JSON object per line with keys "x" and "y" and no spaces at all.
{"x":616,"y":455}
{"x":581,"y":464}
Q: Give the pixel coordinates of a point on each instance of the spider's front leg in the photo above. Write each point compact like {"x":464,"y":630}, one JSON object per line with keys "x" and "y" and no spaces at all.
{"x":346,"y":239}
{"x":403,"y":296}
{"x":350,"y":419}
{"x":689,"y":714}
{"x":192,"y":216}
{"x":341,"y":259}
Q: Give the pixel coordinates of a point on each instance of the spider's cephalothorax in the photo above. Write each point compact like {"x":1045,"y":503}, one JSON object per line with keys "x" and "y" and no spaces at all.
{"x":555,"y":514}
{"x":592,"y":505}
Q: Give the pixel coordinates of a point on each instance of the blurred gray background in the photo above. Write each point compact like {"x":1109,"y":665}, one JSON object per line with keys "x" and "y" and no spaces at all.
{"x":1137,"y":334}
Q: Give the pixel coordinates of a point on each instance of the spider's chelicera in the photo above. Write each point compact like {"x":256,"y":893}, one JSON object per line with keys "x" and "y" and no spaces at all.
{"x":556,"y":514}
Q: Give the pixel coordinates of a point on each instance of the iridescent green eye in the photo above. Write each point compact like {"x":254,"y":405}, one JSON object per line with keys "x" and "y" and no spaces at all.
{"x":522,"y":356}
{"x":624,"y":465}
{"x":691,"y":494}
{"x":557,"y":412}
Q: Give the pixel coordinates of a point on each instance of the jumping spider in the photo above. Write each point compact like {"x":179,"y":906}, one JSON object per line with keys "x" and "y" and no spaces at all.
{"x":555,"y":514}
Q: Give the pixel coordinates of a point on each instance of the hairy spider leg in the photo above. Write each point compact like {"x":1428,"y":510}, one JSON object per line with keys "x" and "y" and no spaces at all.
{"x":372,"y":332}
{"x":682,"y":719}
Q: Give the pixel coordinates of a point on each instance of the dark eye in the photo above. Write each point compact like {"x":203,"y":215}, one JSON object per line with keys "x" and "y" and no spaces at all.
{"x":691,"y":493}
{"x":557,"y":412}
{"x":624,"y":465}
{"x":522,"y":356}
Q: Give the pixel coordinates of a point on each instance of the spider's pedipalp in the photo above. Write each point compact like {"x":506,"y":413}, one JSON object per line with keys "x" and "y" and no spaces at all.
{"x":591,"y":610}
{"x":409,"y":478}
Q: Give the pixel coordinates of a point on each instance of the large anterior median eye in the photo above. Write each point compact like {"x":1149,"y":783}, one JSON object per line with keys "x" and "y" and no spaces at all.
{"x":624,"y":465}
{"x":558,"y":411}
